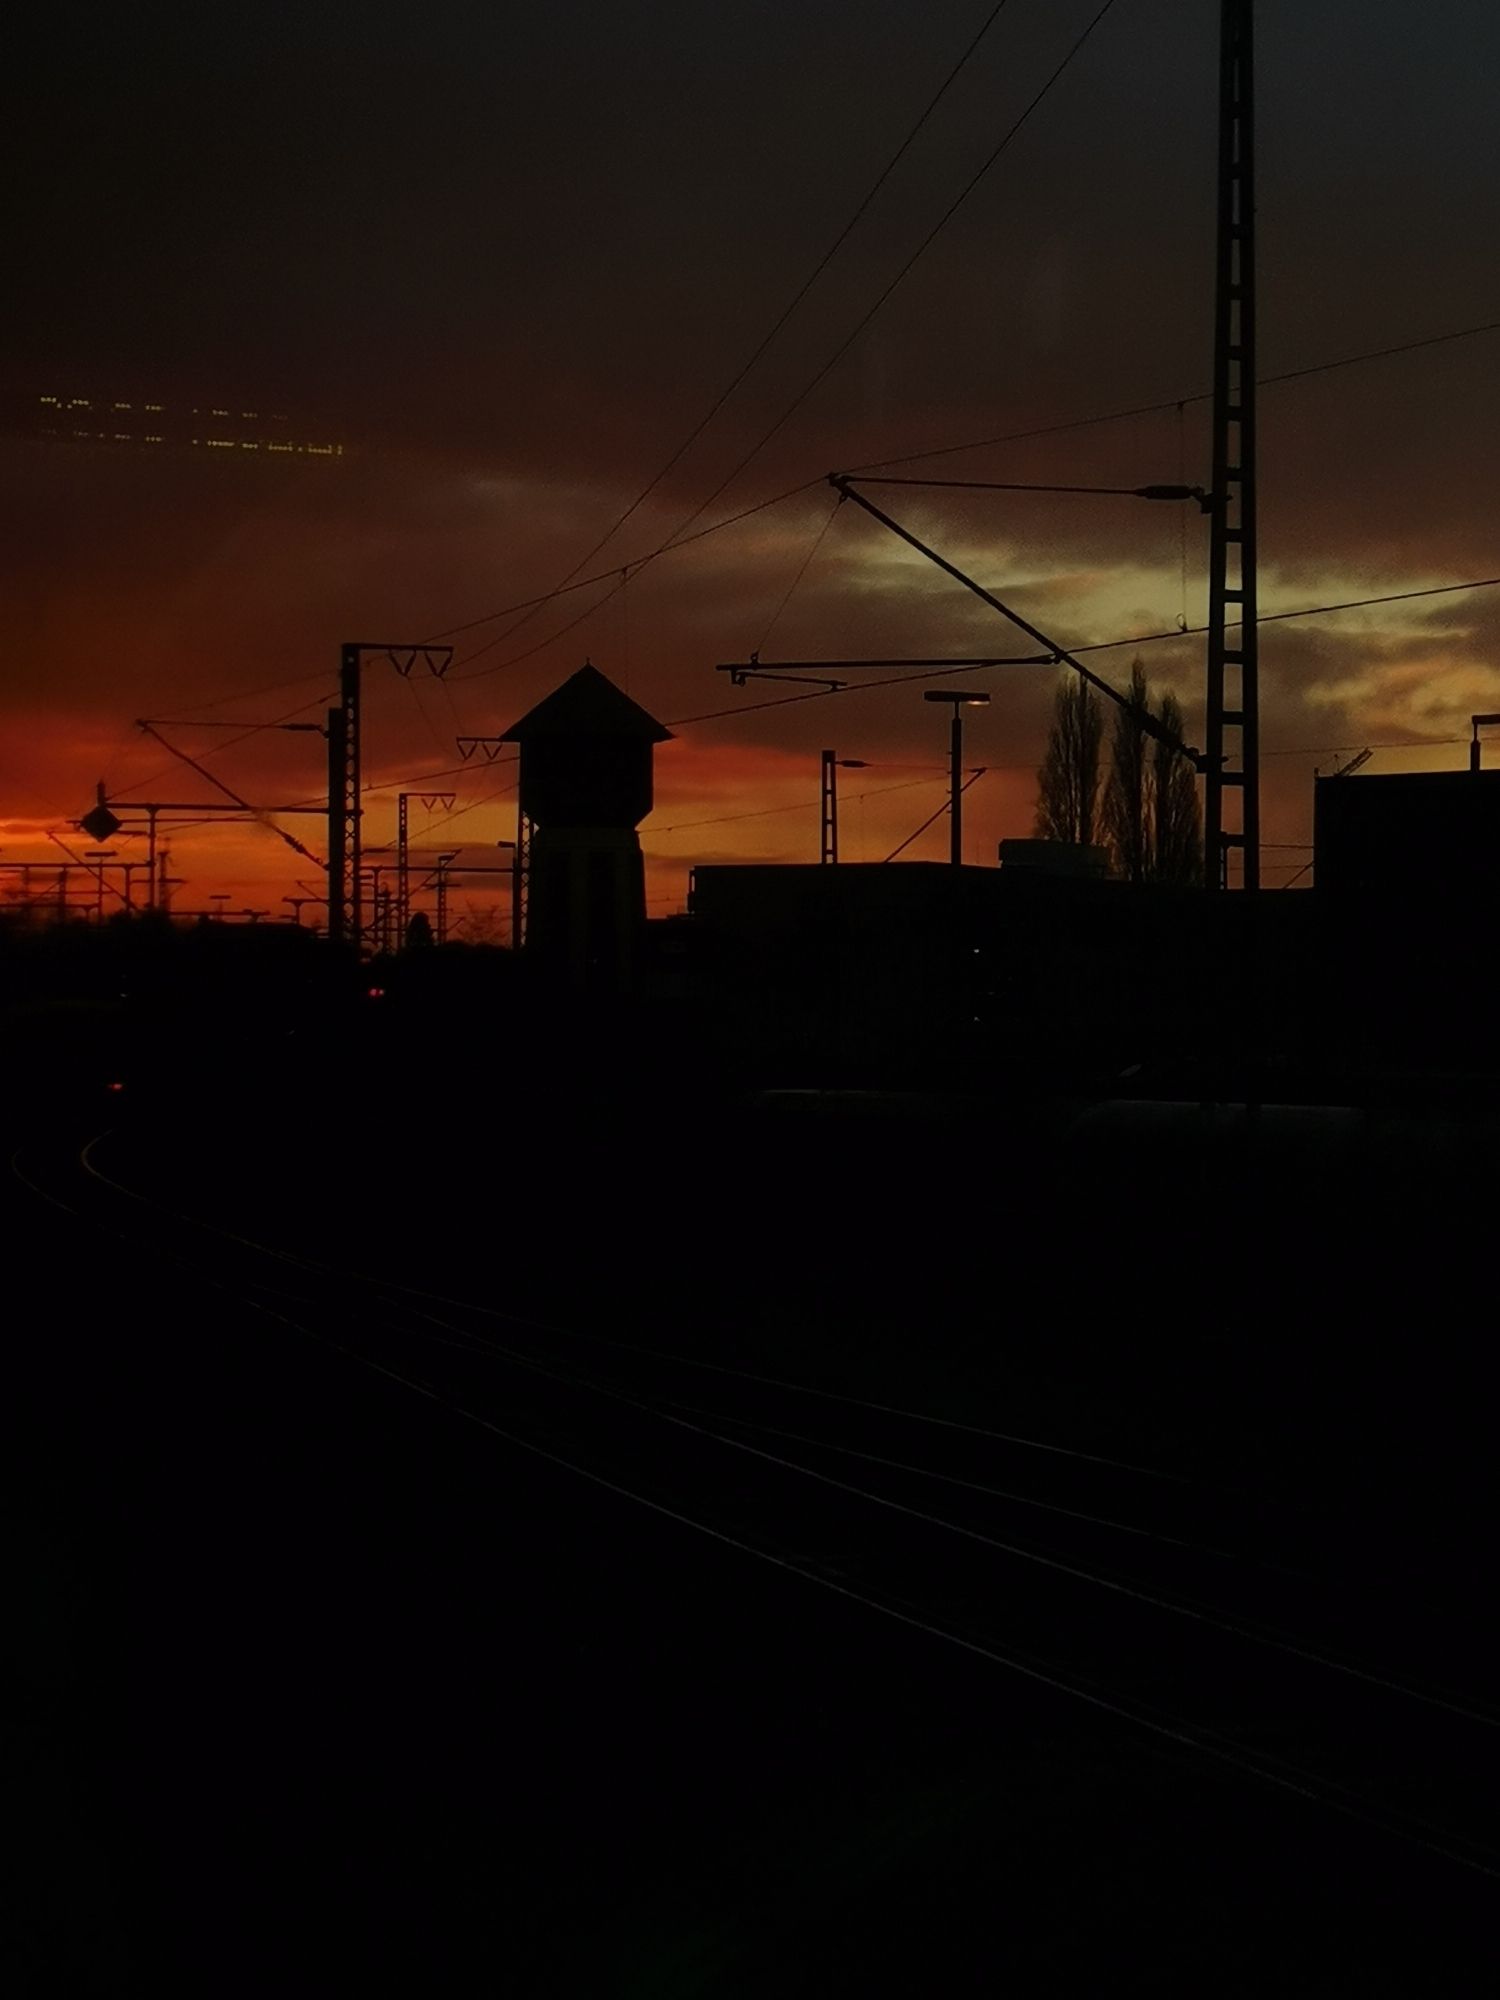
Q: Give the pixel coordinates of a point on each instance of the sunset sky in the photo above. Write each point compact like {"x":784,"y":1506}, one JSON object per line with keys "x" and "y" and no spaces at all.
{"x":507,"y":259}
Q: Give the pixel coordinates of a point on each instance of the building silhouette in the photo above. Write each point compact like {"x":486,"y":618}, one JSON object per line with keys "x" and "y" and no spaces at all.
{"x":586,"y":785}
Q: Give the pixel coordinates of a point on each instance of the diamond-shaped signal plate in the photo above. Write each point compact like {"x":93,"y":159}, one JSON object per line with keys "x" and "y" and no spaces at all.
{"x":100,"y":824}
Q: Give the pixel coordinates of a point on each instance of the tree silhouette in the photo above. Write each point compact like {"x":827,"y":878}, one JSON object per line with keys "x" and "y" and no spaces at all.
{"x":1068,"y":781}
{"x":1151,"y":813}
{"x":1177,"y":831}
{"x":1127,"y":795}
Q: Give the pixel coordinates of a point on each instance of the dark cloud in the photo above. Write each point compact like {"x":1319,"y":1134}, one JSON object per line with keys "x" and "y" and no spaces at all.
{"x":508,"y":259}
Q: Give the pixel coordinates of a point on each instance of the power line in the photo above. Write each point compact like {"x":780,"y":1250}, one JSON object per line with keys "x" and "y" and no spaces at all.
{"x":926,"y":243}
{"x":947,"y":806}
{"x":801,"y":805}
{"x":1180,"y":402}
{"x":777,"y":324}
{"x":678,"y":537}
{"x":802,"y":568}
{"x":618,"y":577}
{"x":1333,"y":749}
{"x":1306,"y":611}
{"x":1093,"y":646}
{"x":255,"y":729}
{"x":1099,"y":646}
{"x":938,"y":451}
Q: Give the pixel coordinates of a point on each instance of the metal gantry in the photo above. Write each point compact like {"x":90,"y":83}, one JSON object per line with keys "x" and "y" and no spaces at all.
{"x":492,"y":748}
{"x":345,"y":808}
{"x":1232,"y":728}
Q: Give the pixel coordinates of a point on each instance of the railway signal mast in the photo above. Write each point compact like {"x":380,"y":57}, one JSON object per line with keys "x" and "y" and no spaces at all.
{"x":1232,"y":728}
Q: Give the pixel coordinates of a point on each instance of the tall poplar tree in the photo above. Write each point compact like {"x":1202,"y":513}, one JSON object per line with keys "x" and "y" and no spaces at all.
{"x":1067,"y":807}
{"x":1127,"y":793}
{"x":1177,"y":831}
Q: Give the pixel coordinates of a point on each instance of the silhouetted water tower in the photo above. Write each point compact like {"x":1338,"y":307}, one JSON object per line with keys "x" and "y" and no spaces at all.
{"x":586,"y":784}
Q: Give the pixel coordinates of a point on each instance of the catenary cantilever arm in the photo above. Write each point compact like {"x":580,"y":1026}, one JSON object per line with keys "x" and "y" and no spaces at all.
{"x":843,"y":484}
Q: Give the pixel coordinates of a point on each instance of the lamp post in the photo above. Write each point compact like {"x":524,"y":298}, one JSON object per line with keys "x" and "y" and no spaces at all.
{"x":829,"y":802}
{"x":959,"y":699}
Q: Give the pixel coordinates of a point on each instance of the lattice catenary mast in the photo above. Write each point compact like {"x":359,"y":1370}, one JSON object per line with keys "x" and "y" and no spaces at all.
{"x":1232,"y":748}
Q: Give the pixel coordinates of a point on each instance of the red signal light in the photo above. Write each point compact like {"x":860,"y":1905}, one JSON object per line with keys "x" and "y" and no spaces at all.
{"x":376,"y":992}
{"x":114,"y":1086}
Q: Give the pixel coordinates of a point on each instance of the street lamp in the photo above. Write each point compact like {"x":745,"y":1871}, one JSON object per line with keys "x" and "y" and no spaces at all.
{"x":829,"y":802}
{"x":960,"y":699}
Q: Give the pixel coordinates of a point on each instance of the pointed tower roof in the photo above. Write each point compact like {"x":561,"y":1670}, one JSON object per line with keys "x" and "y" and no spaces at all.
{"x":587,"y":704}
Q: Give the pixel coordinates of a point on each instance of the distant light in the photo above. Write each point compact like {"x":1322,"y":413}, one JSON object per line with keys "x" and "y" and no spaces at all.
{"x":376,"y":993}
{"x":114,"y":1086}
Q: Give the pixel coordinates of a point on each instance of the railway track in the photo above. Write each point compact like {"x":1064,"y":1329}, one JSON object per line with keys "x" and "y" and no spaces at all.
{"x":1179,"y":1609}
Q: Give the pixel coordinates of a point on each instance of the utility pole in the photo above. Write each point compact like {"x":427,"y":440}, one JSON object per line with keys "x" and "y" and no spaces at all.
{"x":492,"y":748}
{"x":960,"y":699}
{"x":443,"y":801}
{"x":828,"y":851}
{"x":344,"y":898}
{"x":403,"y":870}
{"x":828,"y":811}
{"x":1232,"y":747}
{"x":442,"y":895}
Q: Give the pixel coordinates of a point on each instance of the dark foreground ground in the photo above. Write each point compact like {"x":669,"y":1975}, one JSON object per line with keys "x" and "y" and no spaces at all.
{"x":325,"y":1682}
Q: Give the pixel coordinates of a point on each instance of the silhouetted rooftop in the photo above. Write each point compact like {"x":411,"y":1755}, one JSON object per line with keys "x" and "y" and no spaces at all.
{"x":587,"y":704}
